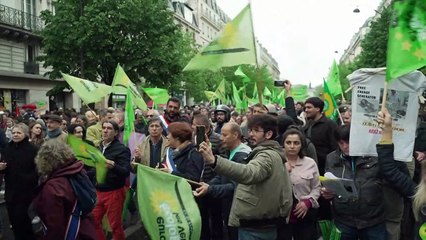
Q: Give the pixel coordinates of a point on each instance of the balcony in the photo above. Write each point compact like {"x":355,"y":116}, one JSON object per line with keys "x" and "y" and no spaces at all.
{"x":20,"y":19}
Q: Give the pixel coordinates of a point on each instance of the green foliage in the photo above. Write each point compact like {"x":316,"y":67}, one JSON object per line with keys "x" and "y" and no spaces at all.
{"x":88,"y":38}
{"x":374,"y":44}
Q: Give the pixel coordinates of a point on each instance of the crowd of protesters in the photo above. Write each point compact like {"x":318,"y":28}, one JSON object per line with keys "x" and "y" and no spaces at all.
{"x":258,"y":171}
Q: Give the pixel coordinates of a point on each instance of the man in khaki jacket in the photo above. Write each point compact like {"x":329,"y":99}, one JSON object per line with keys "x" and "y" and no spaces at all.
{"x":263,"y":197}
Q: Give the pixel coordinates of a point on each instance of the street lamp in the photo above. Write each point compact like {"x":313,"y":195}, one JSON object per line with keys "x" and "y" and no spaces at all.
{"x":356,"y":10}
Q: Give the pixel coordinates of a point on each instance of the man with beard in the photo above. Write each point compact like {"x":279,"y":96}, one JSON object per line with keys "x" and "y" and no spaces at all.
{"x":220,"y":187}
{"x":172,"y":111}
{"x":263,"y":196}
{"x":222,"y":114}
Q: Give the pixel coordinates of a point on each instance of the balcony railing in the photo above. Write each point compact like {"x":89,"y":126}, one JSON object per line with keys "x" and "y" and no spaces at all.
{"x":20,"y":19}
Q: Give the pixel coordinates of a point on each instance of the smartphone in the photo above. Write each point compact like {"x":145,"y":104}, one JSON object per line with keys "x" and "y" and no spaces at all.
{"x":280,"y":83}
{"x":200,"y":135}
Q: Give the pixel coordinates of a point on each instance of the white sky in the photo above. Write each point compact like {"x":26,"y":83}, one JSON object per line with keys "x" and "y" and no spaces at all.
{"x":303,"y":35}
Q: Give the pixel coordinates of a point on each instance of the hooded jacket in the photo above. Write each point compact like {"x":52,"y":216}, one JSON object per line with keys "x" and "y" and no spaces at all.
{"x":54,"y":204}
{"x":20,"y":174}
{"x":263,"y":195}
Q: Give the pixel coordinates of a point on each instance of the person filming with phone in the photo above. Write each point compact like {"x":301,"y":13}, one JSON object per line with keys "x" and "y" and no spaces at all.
{"x":182,"y":159}
{"x":263,"y":196}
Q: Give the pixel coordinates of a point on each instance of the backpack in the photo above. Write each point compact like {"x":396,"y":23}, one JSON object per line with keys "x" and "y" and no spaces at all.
{"x":85,"y":193}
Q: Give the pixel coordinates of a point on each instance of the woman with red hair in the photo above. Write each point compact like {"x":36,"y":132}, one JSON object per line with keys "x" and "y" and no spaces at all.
{"x":182,"y":158}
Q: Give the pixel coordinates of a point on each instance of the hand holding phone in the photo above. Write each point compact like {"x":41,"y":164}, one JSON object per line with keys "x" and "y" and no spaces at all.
{"x":200,"y":135}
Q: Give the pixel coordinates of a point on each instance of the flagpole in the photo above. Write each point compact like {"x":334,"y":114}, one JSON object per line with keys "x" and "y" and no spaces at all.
{"x":343,"y":98}
{"x":258,"y":81}
{"x":93,"y":112}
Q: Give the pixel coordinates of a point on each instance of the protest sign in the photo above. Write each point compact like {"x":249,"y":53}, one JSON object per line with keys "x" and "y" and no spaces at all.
{"x":402,"y":103}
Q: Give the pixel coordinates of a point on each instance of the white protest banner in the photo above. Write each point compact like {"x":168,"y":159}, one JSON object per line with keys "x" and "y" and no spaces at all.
{"x":402,"y":103}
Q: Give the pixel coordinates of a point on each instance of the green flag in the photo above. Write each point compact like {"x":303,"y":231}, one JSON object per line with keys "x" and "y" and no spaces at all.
{"x":90,"y":155}
{"x":120,"y":84}
{"x":234,"y":46}
{"x":300,"y":92}
{"x":88,"y":91}
{"x":407,"y":38}
{"x":239,"y":72}
{"x":281,"y":98}
{"x":333,"y":80}
{"x":267,"y":92}
{"x":129,"y":118}
{"x":211,"y":96}
{"x":158,"y":95}
{"x":236,"y":98}
{"x":330,"y":106}
{"x":166,"y":205}
{"x":255,"y":94}
{"x":220,"y":91}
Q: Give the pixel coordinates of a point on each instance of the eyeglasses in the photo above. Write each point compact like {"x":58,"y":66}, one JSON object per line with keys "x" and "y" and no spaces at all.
{"x":255,"y":130}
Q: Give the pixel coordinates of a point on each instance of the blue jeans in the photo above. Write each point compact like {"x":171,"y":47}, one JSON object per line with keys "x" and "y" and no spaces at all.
{"x":377,"y":232}
{"x":254,"y":234}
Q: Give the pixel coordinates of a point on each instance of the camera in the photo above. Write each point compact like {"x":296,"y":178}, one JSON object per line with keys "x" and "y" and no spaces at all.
{"x":280,"y":83}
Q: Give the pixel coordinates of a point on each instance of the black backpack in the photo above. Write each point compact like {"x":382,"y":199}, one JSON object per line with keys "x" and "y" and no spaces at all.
{"x":84,"y":191}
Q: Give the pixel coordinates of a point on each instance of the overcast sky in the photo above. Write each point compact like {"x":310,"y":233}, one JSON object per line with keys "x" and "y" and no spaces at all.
{"x":303,"y":35}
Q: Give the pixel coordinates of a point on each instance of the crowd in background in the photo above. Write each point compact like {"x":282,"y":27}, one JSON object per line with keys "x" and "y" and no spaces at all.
{"x":258,"y":171}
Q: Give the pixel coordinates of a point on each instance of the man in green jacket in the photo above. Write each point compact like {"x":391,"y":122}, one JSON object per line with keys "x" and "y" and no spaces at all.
{"x":263,"y":196}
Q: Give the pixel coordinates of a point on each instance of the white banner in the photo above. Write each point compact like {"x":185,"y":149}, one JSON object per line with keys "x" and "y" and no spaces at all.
{"x":402,"y":103}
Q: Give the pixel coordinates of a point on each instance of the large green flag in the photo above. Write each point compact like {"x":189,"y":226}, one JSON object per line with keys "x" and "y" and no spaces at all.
{"x":88,"y":91}
{"x":300,"y":92}
{"x":220,"y":91}
{"x":90,"y":155}
{"x":236,"y":98}
{"x":333,"y":80}
{"x":122,"y":82}
{"x":407,"y":38}
{"x":330,"y":106}
{"x":158,"y":95}
{"x":239,"y":72}
{"x":234,"y":46}
{"x":129,"y":118}
{"x":167,"y":206}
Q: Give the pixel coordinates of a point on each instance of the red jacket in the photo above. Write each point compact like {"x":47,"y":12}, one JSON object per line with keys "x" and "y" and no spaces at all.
{"x":54,"y":203}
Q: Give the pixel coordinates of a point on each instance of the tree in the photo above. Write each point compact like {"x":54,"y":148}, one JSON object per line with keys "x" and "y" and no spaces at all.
{"x":88,"y":38}
{"x":374,"y":44}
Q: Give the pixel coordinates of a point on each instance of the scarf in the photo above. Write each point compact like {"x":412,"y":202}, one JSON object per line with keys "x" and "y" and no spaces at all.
{"x":54,"y":133}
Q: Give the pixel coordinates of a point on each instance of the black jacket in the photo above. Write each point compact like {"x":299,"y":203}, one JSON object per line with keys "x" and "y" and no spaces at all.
{"x":217,"y":149}
{"x":395,"y":172}
{"x":321,"y":134}
{"x":20,"y":174}
{"x":367,"y":209}
{"x":189,"y":163}
{"x":116,"y":177}
{"x":223,"y":188}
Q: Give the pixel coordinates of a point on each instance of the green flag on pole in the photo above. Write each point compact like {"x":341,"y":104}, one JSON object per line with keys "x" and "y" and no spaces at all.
{"x":166,"y":205}
{"x":211,"y":96}
{"x":234,"y":46}
{"x":236,"y":98}
{"x":122,"y":82}
{"x":333,"y":80}
{"x":407,"y":38}
{"x":267,"y":92}
{"x":88,"y":91}
{"x":90,"y":155}
{"x":281,"y":98}
{"x":129,"y":118}
{"x":158,"y":95}
{"x":239,"y":72}
{"x":330,"y":106}
{"x":220,"y":91}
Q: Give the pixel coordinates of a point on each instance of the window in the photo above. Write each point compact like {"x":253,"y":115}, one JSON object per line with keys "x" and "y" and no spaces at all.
{"x":30,"y":53}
